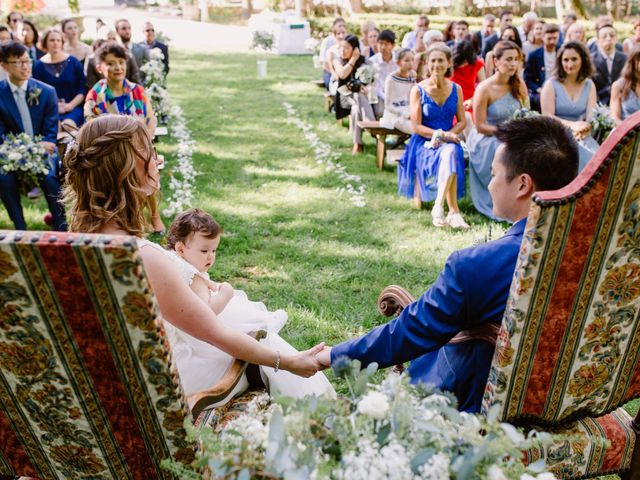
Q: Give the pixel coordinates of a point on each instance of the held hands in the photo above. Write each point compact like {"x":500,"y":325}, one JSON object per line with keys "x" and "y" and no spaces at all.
{"x":451,"y":137}
{"x":324,"y":358}
{"x":581,"y":130}
{"x":63,"y":108}
{"x":304,"y":364}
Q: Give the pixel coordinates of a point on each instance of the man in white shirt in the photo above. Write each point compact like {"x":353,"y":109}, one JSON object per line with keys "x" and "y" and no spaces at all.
{"x":409,"y":40}
{"x":385,"y":64}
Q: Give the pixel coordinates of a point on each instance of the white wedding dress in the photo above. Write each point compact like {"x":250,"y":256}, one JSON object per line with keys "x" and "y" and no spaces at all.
{"x":201,"y":365}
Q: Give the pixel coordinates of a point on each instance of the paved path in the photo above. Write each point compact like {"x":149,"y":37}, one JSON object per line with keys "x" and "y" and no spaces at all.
{"x":184,"y":34}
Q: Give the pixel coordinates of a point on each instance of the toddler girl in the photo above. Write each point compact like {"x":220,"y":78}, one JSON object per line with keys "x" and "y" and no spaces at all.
{"x":193,"y":240}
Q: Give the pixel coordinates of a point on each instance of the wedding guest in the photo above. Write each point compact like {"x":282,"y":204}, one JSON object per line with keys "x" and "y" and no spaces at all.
{"x":506,"y":20}
{"x":372,"y":37}
{"x":409,"y":40}
{"x":385,"y":65}
{"x":352,"y":102}
{"x":468,"y":70}
{"x":439,"y":164}
{"x":529,"y":19}
{"x":30,"y":40}
{"x":114,"y":93}
{"x":509,"y":34}
{"x":602,"y":21}
{"x":72,"y":45}
{"x":460,"y":33}
{"x":535,"y":39}
{"x":608,"y":62}
{"x":420,"y":45}
{"x":479,"y":37}
{"x":540,"y":64}
{"x":397,"y":89}
{"x":568,"y":19}
{"x":625,"y":92}
{"x":5,"y":34}
{"x":29,"y":106}
{"x":447,"y":32}
{"x":91,"y":66}
{"x":365,"y":28}
{"x":140,"y":53}
{"x":150,"y":42}
{"x":495,"y":101}
{"x":112,"y":170}
{"x":339,"y":33}
{"x":420,"y":58}
{"x":632,"y":43}
{"x":570,"y":96}
{"x":472,"y":290}
{"x":576,"y":33}
{"x":64,"y":73}
{"x":14,"y":20}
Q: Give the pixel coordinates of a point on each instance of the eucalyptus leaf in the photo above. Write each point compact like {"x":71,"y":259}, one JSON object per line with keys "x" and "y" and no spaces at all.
{"x":244,"y":475}
{"x":421,"y":458}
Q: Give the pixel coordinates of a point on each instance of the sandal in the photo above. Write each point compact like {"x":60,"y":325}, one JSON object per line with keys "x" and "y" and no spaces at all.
{"x":437,"y":216}
{"x":455,"y":220}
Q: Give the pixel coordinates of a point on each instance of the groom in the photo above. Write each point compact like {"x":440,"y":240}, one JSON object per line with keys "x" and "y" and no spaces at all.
{"x":536,"y":153}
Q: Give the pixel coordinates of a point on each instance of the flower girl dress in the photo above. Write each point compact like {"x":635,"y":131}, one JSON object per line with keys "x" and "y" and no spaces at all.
{"x":201,"y":365}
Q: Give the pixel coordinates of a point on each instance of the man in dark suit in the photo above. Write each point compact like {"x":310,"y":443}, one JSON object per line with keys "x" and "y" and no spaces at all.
{"x":540,"y":64}
{"x":152,"y":42}
{"x":470,"y":294}
{"x":506,"y":20}
{"x":479,"y":37}
{"x":460,"y":33}
{"x":607,"y":62}
{"x":29,"y":106}
{"x":139,"y":52}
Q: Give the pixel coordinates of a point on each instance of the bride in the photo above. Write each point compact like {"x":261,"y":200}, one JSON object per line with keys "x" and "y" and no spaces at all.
{"x":112,"y":170}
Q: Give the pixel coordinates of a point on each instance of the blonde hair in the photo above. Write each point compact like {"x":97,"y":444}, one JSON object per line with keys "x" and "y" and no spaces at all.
{"x":101,"y":181}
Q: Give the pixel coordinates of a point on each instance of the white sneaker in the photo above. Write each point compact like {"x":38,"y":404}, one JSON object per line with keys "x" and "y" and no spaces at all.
{"x":455,"y":220}
{"x":437,"y":215}
{"x":34,"y":193}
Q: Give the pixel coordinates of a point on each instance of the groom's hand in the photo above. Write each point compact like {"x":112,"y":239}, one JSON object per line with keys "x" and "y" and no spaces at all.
{"x":324,"y":358}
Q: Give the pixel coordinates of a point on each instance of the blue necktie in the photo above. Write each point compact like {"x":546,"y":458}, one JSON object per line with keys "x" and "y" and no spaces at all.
{"x":23,"y":108}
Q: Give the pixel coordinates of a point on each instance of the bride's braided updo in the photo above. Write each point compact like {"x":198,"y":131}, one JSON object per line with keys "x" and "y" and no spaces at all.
{"x":101,"y":181}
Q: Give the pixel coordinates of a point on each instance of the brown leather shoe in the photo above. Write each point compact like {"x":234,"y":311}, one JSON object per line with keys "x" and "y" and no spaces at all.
{"x":357,"y":148}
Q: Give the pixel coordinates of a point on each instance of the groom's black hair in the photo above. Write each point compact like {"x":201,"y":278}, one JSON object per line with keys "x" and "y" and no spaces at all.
{"x":541,"y":147}
{"x":11,"y":49}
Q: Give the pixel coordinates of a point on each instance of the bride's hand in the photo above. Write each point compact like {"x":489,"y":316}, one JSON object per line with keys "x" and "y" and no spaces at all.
{"x":304,"y":364}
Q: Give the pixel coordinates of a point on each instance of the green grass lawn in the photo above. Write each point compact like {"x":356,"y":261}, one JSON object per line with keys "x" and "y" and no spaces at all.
{"x":290,"y":239}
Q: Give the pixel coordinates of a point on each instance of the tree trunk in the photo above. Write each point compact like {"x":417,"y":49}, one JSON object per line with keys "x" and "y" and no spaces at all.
{"x":301,"y":9}
{"x":247,"y":8}
{"x":356,"y":6}
{"x":559,"y":10}
{"x":533,"y":6}
{"x":578,"y":8}
{"x":609,"y":5}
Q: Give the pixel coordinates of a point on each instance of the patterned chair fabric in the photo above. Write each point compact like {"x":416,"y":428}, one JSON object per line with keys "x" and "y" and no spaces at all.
{"x":569,"y":346}
{"x":86,"y":387}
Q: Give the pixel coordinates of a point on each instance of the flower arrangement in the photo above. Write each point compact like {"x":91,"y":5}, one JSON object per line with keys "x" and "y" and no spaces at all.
{"x":601,"y":122}
{"x":367,"y":74}
{"x":23,"y":155}
{"x":155,"y":79}
{"x":262,"y":40}
{"x":389,"y":431}
{"x":524,"y":112}
{"x":353,"y":185}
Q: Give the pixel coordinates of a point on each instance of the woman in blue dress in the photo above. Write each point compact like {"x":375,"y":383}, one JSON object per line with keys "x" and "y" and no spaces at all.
{"x":64,"y":73}
{"x":434,"y":155}
{"x":571,"y":95}
{"x":625,"y":92}
{"x":494,"y":102}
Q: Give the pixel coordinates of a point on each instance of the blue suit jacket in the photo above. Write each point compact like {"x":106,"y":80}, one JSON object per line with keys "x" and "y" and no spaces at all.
{"x":472,"y":289}
{"x":44,"y":115}
{"x":534,"y":74}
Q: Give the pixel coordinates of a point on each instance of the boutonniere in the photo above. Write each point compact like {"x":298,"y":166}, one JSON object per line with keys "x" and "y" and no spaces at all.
{"x":33,"y":97}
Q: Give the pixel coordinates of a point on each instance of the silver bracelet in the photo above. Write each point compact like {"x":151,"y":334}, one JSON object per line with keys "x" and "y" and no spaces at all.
{"x":277,"y":367}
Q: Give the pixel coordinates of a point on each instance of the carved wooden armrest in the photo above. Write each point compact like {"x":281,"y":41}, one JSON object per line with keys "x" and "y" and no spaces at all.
{"x":221,"y":390}
{"x":393,"y":299}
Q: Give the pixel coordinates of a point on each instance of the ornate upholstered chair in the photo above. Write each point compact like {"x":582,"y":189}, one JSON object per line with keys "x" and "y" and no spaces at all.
{"x":568,"y":351}
{"x":86,"y":384}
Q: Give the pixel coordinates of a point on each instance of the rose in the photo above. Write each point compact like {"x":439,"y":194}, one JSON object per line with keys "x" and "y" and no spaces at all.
{"x":375,"y":405}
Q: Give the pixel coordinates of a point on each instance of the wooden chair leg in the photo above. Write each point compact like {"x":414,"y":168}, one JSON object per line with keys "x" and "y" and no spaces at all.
{"x":380,"y":150}
{"x":634,"y":472}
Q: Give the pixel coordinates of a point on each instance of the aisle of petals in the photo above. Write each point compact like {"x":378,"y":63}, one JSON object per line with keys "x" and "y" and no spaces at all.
{"x":326,"y":156}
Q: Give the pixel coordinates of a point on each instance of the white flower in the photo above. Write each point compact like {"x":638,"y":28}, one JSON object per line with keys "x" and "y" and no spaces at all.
{"x":526,"y":476}
{"x":14,"y":156}
{"x":375,"y":405}
{"x":546,"y":476}
{"x":436,"y":468}
{"x":495,"y":473}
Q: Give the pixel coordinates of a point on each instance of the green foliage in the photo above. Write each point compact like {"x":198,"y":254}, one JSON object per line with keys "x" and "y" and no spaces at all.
{"x":262,"y":40}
